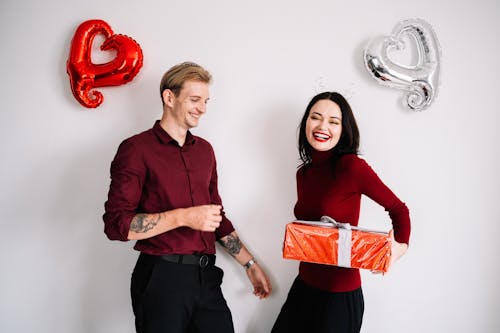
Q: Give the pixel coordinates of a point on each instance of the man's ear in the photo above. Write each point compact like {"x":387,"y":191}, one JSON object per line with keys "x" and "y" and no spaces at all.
{"x":168,"y":97}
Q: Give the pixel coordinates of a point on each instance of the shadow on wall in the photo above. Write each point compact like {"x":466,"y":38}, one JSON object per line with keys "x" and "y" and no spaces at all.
{"x":271,"y":206}
{"x":96,"y":270}
{"x":99,"y":270}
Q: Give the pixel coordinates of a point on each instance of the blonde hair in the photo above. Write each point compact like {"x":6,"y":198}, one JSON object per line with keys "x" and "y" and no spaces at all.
{"x":175,"y":77}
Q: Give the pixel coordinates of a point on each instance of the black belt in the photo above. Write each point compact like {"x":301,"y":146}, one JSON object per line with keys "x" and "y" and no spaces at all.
{"x":202,"y":260}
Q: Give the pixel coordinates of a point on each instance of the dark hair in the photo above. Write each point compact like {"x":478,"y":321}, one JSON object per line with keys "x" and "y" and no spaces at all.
{"x":349,"y":139}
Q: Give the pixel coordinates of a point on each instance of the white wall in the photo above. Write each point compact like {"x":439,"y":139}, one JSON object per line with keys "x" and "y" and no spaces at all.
{"x":59,"y":273}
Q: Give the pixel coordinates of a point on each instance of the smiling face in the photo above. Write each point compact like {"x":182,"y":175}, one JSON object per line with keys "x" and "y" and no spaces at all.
{"x":187,"y":108}
{"x":324,"y":125}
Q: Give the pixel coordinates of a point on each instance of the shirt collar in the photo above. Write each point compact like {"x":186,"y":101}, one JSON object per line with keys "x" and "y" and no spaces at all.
{"x":165,"y":138}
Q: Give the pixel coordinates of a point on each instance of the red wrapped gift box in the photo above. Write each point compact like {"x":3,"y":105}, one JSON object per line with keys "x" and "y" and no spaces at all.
{"x":339,"y":244}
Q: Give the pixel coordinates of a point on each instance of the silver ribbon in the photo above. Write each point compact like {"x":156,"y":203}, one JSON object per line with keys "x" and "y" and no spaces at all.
{"x":345,"y":237}
{"x":344,"y":242}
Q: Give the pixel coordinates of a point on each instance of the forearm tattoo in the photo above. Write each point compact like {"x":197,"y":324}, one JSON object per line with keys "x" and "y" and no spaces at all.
{"x":232,"y":244}
{"x":144,"y":222}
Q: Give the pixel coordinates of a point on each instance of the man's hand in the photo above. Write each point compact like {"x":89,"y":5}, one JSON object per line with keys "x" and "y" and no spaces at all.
{"x":204,"y":218}
{"x":261,"y":285}
{"x":260,"y":282}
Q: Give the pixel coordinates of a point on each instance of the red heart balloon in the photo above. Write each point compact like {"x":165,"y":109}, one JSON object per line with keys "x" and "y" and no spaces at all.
{"x":85,"y":75}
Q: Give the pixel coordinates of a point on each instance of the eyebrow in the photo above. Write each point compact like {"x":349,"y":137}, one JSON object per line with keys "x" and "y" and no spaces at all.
{"x":196,"y":96}
{"x":319,"y":114}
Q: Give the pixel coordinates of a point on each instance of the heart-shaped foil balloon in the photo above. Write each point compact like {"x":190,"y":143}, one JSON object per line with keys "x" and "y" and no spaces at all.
{"x":421,"y":79}
{"x":85,"y":75}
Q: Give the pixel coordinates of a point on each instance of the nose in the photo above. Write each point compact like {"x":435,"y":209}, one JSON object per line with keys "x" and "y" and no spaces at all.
{"x":202,"y":107}
{"x":323,"y":125}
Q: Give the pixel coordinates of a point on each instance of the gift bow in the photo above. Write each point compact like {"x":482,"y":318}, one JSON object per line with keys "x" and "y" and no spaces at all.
{"x":339,"y":225}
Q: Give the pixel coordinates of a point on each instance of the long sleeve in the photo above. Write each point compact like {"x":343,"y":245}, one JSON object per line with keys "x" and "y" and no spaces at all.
{"x":127,"y":178}
{"x":335,"y":190}
{"x":151,"y":173}
{"x":371,"y":186}
{"x":226,"y":227}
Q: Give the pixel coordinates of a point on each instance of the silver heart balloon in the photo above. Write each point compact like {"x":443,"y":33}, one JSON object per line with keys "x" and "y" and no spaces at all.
{"x":420,"y":80}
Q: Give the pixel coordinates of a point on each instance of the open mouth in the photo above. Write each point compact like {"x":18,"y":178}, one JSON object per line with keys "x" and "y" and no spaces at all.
{"x":321,"y":137}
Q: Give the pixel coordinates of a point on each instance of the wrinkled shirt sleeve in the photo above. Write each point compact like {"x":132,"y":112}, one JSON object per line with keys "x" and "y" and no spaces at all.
{"x":127,"y":178}
{"x":226,"y":227}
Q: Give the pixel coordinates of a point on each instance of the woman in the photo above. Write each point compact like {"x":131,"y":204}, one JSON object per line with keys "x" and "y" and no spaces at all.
{"x":330,"y":182}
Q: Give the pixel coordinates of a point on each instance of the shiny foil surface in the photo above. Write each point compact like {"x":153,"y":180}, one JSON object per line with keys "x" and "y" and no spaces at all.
{"x":316,"y":244}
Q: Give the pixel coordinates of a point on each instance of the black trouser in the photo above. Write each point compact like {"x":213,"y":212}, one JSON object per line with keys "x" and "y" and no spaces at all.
{"x":312,"y":310}
{"x":172,"y":297}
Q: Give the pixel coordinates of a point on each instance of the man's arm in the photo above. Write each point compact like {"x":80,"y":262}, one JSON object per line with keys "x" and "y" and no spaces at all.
{"x":229,"y":239}
{"x":233,"y":245}
{"x":204,"y":218}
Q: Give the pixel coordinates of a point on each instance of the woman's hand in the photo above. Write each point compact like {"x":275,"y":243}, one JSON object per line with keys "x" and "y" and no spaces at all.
{"x":397,"y":250}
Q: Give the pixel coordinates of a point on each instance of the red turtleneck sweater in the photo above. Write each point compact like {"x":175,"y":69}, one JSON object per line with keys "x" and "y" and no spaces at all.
{"x":335,"y":190}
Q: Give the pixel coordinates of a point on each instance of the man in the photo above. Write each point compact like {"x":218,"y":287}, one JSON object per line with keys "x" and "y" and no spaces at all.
{"x":164,"y":194}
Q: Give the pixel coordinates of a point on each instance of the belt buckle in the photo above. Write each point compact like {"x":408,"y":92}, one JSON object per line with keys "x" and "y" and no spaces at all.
{"x":203,"y":262}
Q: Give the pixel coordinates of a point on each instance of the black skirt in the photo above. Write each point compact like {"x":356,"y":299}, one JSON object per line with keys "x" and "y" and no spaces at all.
{"x":312,"y":310}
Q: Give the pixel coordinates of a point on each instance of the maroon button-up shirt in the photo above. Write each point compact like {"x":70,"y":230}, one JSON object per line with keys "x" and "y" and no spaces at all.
{"x":151,"y":173}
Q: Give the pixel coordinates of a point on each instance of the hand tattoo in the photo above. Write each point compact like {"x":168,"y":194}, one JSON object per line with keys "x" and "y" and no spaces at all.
{"x":232,"y":244}
{"x":144,"y":222}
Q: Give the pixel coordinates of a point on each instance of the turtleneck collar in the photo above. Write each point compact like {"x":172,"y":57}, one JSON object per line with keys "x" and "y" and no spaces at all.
{"x":321,"y":157}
